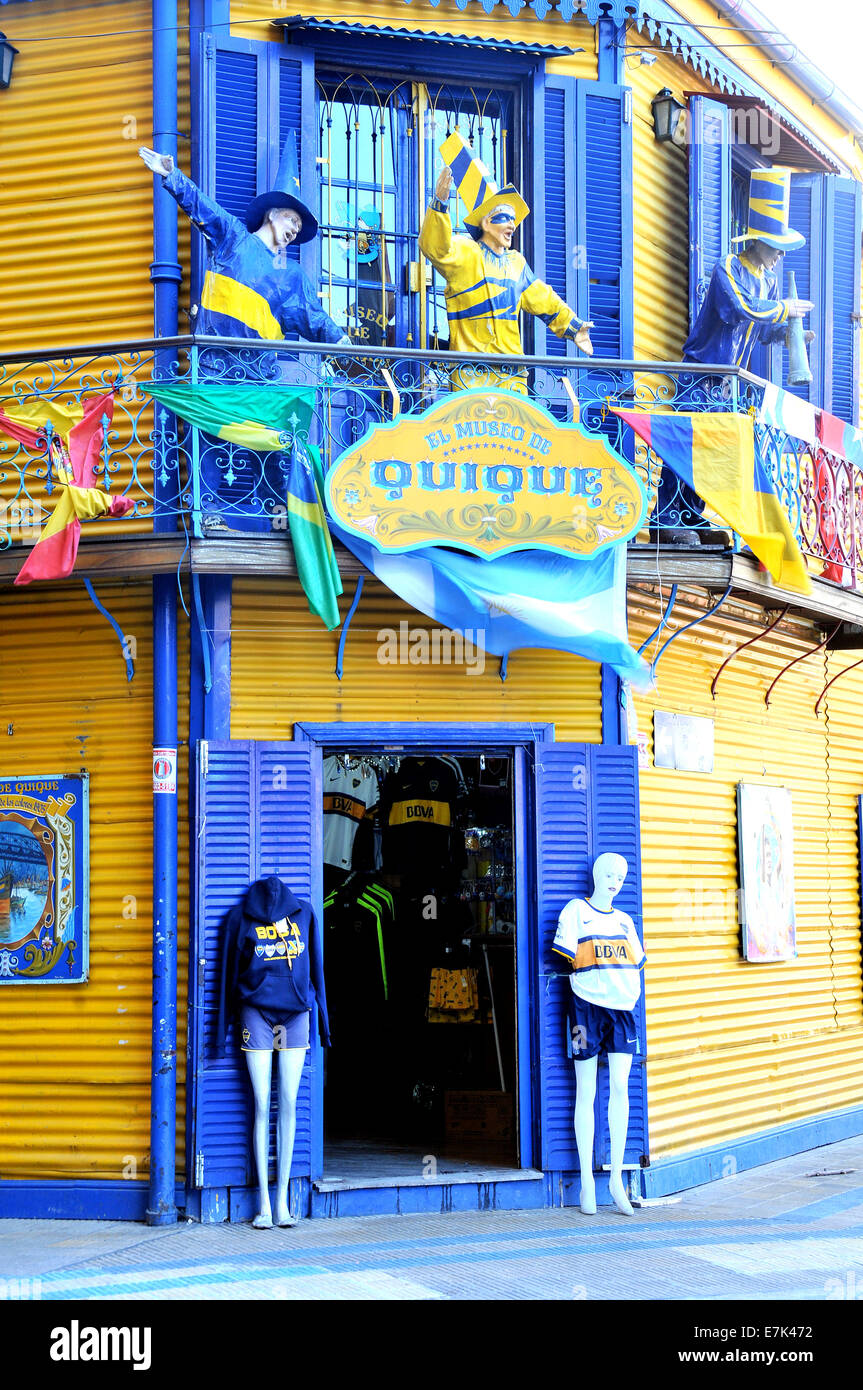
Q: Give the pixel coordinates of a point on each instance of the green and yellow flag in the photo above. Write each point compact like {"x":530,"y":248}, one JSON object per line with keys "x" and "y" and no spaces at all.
{"x":268,"y":418}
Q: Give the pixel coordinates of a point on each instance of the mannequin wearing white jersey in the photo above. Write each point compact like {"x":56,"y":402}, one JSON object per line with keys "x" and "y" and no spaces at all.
{"x":609,"y":873}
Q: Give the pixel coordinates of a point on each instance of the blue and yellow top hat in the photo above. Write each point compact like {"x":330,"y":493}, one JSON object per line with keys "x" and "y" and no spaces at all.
{"x":769,"y":210}
{"x":477,"y":189}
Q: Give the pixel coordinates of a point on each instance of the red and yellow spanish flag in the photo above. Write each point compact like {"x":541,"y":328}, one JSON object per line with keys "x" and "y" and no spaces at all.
{"x":76,"y":438}
{"x":715,"y":454}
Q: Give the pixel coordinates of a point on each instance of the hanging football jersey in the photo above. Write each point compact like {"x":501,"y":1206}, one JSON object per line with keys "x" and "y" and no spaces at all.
{"x":417,"y":812}
{"x":358,"y":921}
{"x":348,"y":793}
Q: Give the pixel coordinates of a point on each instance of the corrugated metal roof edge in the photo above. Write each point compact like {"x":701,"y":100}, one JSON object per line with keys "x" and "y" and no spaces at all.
{"x":345,"y":26}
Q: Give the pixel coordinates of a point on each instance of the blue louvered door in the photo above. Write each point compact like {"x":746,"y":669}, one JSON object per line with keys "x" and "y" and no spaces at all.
{"x":582,"y":233}
{"x":603,"y":240}
{"x":586,"y":804}
{"x":583,"y":221}
{"x":709,"y":195}
{"x":842,"y":232}
{"x":257,"y":813}
{"x":806,"y":216}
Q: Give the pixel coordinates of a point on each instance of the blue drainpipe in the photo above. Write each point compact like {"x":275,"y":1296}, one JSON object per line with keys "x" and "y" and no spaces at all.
{"x":165,"y":274}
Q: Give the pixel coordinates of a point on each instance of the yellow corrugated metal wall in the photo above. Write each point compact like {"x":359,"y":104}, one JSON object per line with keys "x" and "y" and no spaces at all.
{"x":283,"y":670}
{"x":75,"y":1059}
{"x":76,"y":203}
{"x":735,"y":1048}
{"x":660,"y":211}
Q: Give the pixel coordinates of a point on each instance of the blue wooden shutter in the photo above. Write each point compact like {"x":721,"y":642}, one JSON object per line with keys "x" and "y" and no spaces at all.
{"x":806,"y":216}
{"x":587,"y":803}
{"x":842,"y":230}
{"x":233,"y":144}
{"x":603,"y":242}
{"x":290,"y":844}
{"x":257,"y":812}
{"x":582,"y":230}
{"x":554,"y":234}
{"x":294,"y":97}
{"x":709,"y":194}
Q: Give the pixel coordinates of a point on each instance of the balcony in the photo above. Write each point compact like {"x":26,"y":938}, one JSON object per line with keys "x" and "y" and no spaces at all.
{"x":192,"y":490}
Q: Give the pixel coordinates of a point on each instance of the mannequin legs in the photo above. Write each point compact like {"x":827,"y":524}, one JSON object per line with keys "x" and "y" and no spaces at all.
{"x":619,"y":1064}
{"x":291,"y":1061}
{"x":290,"y":1073}
{"x":585,"y":1094}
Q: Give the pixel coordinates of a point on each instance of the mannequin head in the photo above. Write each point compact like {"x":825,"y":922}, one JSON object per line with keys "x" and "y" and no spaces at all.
{"x":609,"y":872}
{"x":763,"y":254}
{"x":498,"y":227}
{"x":280,"y":227}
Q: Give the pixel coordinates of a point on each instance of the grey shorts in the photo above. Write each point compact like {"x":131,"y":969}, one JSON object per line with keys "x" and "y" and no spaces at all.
{"x":266,"y":1032}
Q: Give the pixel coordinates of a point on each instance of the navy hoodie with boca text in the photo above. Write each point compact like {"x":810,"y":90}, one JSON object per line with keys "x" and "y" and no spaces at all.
{"x":273,"y":967}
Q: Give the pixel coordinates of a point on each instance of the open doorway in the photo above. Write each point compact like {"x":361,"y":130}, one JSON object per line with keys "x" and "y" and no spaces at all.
{"x":420,"y":962}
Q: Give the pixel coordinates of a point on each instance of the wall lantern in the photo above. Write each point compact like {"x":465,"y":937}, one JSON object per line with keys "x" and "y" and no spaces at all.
{"x":7,"y":58}
{"x":667,"y":111}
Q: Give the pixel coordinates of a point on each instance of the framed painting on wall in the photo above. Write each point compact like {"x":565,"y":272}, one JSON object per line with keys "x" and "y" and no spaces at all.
{"x":765,"y":850}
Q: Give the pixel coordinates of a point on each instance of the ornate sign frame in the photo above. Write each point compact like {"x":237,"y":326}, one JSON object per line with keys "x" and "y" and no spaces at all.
{"x":489,"y":472}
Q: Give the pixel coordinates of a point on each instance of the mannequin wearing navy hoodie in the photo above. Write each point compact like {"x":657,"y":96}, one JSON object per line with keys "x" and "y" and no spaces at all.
{"x":272,"y":974}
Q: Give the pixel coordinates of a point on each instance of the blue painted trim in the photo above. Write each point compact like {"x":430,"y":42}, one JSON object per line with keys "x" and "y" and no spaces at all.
{"x":423,"y":732}
{"x":209,"y":719}
{"x":662,"y":622}
{"x":346,"y":625}
{"x":203,"y":636}
{"x":130,"y":665}
{"x":678,"y":1172}
{"x":449,"y":736}
{"x":610,"y":56}
{"x":163,"y":1068}
{"x":526,"y":957}
{"x":613,"y":730}
{"x":686,"y":626}
{"x":77,"y":1199}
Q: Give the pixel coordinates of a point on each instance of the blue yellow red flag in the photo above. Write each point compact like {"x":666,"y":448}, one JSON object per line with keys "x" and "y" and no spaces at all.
{"x":715,"y":454}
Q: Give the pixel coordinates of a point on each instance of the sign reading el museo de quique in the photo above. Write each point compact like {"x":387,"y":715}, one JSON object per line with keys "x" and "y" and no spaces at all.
{"x":44,"y":910}
{"x":489,"y":472}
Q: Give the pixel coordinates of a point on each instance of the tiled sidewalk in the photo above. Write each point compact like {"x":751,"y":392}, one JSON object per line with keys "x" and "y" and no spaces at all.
{"x":789,"y":1230}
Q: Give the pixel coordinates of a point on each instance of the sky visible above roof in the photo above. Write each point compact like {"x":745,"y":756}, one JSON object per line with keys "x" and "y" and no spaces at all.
{"x":829,"y":34}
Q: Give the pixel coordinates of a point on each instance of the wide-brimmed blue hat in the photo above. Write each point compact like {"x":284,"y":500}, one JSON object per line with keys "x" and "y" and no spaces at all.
{"x":287,"y":178}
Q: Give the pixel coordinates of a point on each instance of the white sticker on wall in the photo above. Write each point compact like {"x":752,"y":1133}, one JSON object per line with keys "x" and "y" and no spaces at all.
{"x":165,"y":770}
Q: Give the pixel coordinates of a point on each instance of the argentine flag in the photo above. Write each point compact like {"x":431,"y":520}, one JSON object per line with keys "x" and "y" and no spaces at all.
{"x":529,"y":599}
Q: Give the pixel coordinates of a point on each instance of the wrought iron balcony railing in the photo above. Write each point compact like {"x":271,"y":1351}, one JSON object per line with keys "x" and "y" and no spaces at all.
{"x":181,"y":477}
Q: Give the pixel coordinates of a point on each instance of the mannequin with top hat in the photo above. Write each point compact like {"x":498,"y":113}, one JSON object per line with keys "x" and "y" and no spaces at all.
{"x":741,"y":308}
{"x":252,"y":289}
{"x":488,"y":284}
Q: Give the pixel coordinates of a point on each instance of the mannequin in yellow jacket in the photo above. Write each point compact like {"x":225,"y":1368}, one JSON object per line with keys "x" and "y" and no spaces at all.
{"x":487,"y":286}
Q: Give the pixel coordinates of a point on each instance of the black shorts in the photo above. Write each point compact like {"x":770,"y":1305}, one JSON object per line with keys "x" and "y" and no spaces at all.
{"x":594,"y":1029}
